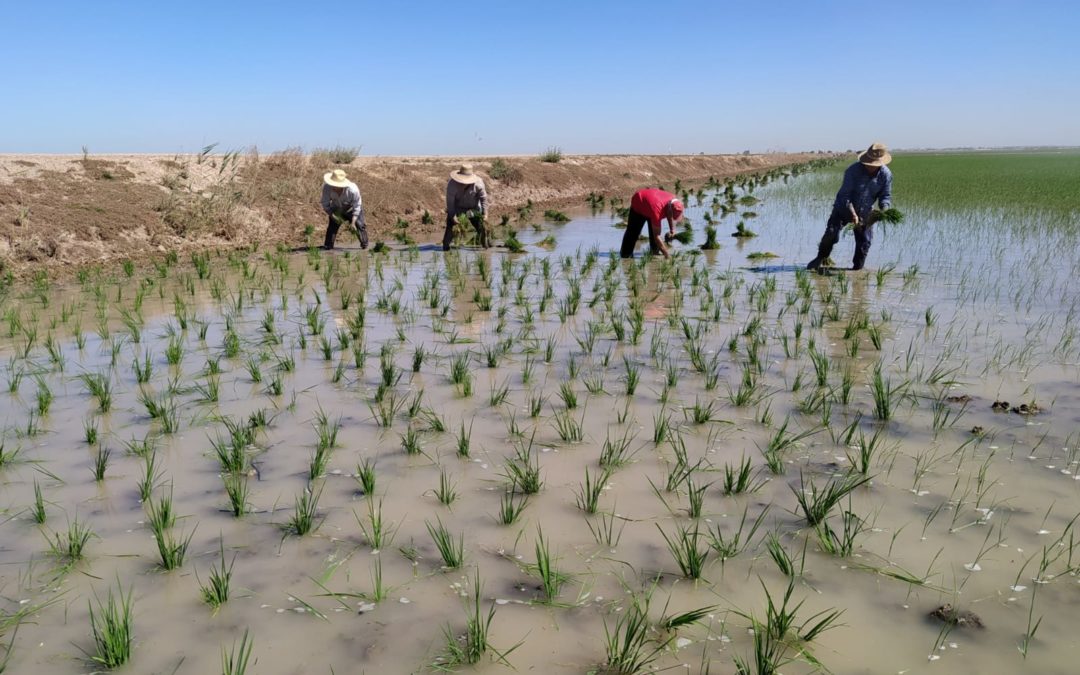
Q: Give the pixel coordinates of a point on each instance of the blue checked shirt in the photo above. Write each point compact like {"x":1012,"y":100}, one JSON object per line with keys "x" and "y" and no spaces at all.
{"x":862,"y":190}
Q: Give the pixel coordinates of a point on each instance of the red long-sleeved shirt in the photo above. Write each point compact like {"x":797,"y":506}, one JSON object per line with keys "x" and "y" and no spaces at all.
{"x":651,"y":203}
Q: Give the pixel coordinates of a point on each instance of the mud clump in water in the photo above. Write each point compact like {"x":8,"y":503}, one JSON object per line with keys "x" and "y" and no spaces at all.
{"x":1027,"y":409}
{"x":955,"y":617}
{"x":1000,"y":406}
{"x":962,"y":398}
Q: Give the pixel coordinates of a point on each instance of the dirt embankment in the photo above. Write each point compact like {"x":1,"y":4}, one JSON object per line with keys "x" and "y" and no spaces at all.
{"x":63,"y":212}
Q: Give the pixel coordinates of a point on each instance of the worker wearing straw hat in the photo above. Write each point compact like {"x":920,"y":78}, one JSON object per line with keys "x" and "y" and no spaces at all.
{"x":465,"y":195}
{"x":342,"y":204}
{"x":866,"y":181}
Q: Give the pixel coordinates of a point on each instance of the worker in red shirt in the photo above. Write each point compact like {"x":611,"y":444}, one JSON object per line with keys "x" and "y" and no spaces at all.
{"x":650,"y":206}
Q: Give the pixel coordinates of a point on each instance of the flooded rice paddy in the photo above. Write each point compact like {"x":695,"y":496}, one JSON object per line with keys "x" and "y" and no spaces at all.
{"x":680,"y":465}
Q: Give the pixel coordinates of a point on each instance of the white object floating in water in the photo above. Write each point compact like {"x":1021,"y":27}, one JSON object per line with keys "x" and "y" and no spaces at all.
{"x":366,"y":606}
{"x":1017,"y":589}
{"x":972,"y":567}
{"x":501,"y":601}
{"x":404,"y":601}
{"x":1044,"y":531}
{"x":683,"y":642}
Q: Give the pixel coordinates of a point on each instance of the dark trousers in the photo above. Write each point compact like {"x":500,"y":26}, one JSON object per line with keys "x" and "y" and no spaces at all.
{"x":634,"y":224}
{"x":864,"y":237}
{"x":477,"y":220}
{"x":334,"y":222}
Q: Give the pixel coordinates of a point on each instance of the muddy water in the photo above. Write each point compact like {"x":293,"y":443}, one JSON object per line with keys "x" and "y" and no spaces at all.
{"x":948,"y":517}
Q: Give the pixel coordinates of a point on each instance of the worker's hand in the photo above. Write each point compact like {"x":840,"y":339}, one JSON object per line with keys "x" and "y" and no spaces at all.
{"x":855,"y":219}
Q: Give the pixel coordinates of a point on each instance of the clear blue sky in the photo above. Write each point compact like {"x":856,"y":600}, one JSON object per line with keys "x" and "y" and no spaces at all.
{"x":514,"y":76}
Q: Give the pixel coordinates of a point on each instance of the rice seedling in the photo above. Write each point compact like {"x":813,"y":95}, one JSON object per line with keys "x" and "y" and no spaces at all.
{"x":615,"y":452}
{"x":111,"y":626}
{"x":885,"y":393}
{"x":101,"y":462}
{"x":464,"y":440}
{"x":547,"y":569}
{"x":729,"y":546}
{"x":816,"y":503}
{"x":661,"y":427}
{"x":446,"y":493}
{"x":236,"y":660}
{"x":569,"y":429}
{"x":378,"y":532}
{"x":37,"y":510}
{"x":685,"y":547}
{"x":471,"y":646}
{"x":628,"y":644}
{"x":511,"y":507}
{"x":238,"y":492}
{"x":450,"y":549}
{"x":410,"y":442}
{"x":305,"y":513}
{"x":701,"y":414}
{"x":365,"y":476}
{"x":840,"y":544}
{"x":8,"y":457}
{"x":70,"y":545}
{"x":215,"y":592}
{"x":99,"y":386}
{"x":739,"y":478}
{"x":788,"y":566}
{"x":589,"y":491}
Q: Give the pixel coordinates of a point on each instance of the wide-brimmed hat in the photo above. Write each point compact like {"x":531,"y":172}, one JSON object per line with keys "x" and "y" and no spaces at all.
{"x":336,"y":178}
{"x":464,"y":175}
{"x":876,"y":155}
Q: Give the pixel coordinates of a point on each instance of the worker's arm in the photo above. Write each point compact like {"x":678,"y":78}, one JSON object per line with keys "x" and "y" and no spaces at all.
{"x":657,"y":240}
{"x":885,"y":198}
{"x":843,"y":195}
{"x":483,"y":199}
{"x":325,"y":200}
{"x":357,"y":205}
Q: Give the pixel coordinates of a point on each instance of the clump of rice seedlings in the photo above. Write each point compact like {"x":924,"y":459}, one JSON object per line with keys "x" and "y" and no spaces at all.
{"x":470,"y":647}
{"x":535,"y":403}
{"x":365,"y":476}
{"x":43,"y":398}
{"x":112,"y":629}
{"x":696,"y":497}
{"x":701,"y":414}
{"x":633,"y":376}
{"x":450,"y":549}
{"x":464,"y":440}
{"x":305,"y":513}
{"x":568,"y":395}
{"x":761,"y":255}
{"x":885,"y":393}
{"x":150,"y":476}
{"x":171,"y":550}
{"x":780,"y":442}
{"x":174,"y":351}
{"x":732,"y":545}
{"x":739,"y":478}
{"x":386,"y":410}
{"x":840,"y":544}
{"x":711,"y":243}
{"x":685,"y":547}
{"x":661,"y":427}
{"x":499,"y":395}
{"x":216,"y":591}
{"x":569,"y":429}
{"x":616,"y":453}
{"x":889,"y":216}
{"x":101,"y":462}
{"x":628,"y":644}
{"x":816,"y":503}
{"x":8,"y":457}
{"x":551,"y":578}
{"x":741,"y":231}
{"x":378,"y":532}
{"x":523,"y":470}
{"x":37,"y":511}
{"x":604,"y":531}
{"x":238,"y":491}
{"x":70,"y":545}
{"x":99,"y":386}
{"x":420,"y":353}
{"x":236,"y":661}
{"x":511,"y":506}
{"x":588,"y":492}
{"x":410,"y":442}
{"x":867,"y":449}
{"x":446,"y":493}
{"x":787,"y":565}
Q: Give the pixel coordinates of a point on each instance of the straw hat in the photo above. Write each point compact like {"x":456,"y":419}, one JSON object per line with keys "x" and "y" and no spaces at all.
{"x":336,"y":178}
{"x":876,"y":155}
{"x":464,"y":175}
